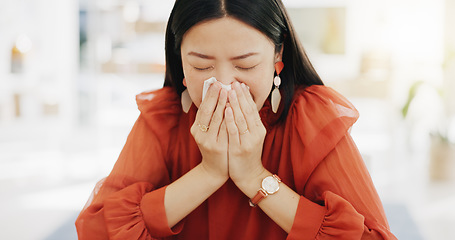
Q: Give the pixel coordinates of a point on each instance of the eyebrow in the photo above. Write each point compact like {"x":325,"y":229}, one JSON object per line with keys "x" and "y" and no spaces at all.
{"x":200,"y":55}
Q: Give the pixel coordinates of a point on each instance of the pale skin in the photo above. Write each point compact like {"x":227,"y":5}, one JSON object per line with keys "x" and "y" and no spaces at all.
{"x":238,"y":54}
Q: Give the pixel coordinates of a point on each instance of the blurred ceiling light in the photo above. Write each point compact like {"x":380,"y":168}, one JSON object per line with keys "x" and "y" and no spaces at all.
{"x":131,"y":11}
{"x":23,"y":43}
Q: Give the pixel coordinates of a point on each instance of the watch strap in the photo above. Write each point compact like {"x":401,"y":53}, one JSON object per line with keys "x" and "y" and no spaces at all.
{"x":258,"y":197}
{"x":276,"y":177}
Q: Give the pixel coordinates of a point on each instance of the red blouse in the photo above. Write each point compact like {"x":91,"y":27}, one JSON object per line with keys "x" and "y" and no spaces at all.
{"x":312,"y":153}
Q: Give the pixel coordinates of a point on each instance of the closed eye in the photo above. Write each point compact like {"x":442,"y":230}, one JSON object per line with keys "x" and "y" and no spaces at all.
{"x":203,"y":69}
{"x":246,"y":68}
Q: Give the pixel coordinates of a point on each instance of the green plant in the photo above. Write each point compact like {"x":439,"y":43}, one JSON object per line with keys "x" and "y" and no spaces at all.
{"x":442,"y":132}
{"x":411,"y":95}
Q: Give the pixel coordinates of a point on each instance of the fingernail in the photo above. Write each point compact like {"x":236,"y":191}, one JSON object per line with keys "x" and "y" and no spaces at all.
{"x":244,"y":86}
{"x":229,"y":112}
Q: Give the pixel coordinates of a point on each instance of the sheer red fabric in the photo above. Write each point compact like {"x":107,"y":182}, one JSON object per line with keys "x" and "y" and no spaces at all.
{"x":312,"y":152}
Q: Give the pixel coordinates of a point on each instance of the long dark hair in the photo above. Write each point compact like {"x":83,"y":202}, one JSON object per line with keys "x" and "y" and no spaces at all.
{"x":268,"y":16}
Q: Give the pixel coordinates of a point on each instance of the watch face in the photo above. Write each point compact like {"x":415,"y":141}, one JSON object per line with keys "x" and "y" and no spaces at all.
{"x":270,"y":184}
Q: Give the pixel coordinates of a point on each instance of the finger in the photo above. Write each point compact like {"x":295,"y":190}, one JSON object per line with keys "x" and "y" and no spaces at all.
{"x":256,"y":118}
{"x":249,"y":111}
{"x":222,"y":133}
{"x":232,"y":130}
{"x":237,"y":111}
{"x":217,"y":116}
{"x":207,"y":107}
{"x":249,"y":97}
{"x":243,"y":98}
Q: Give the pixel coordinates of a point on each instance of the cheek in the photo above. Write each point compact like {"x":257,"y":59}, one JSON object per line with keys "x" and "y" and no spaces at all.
{"x":194,"y":84}
{"x":195,"y":90}
{"x":260,"y":89}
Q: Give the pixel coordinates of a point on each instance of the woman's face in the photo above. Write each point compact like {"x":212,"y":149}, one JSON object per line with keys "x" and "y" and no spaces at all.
{"x":231,"y":51}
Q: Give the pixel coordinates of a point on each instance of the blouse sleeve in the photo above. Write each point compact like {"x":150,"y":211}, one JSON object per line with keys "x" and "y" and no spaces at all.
{"x":129,"y":203}
{"x":338,"y":199}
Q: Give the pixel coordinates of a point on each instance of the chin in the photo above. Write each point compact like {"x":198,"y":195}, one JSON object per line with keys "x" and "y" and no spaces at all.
{"x":259,"y":105}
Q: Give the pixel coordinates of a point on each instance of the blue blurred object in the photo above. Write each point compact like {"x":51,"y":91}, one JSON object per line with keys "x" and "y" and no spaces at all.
{"x":401,"y":223}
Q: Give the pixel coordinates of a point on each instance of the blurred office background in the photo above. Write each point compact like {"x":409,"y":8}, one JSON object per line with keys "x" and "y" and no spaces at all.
{"x":70,"y":70}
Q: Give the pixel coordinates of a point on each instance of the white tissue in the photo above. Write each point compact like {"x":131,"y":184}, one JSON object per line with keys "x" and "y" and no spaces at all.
{"x":211,"y":81}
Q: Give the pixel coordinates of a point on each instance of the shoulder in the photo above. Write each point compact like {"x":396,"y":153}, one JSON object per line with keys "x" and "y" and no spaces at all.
{"x":160,"y":109}
{"x":321,"y":110}
{"x":152,"y":100}
{"x":319,"y":118}
{"x":322,"y":100}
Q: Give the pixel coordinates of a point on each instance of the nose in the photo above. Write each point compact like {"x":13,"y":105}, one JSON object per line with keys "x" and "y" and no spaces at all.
{"x":226,"y":75}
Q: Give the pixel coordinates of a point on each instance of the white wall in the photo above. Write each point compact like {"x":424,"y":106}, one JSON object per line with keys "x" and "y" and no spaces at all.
{"x":52,"y":63}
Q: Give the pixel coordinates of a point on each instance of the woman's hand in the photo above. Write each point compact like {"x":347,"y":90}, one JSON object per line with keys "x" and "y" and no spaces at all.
{"x":246,"y":135}
{"x":210,"y":134}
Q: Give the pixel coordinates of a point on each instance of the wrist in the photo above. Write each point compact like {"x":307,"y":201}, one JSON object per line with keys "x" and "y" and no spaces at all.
{"x":217,"y":179}
{"x":249,"y":185}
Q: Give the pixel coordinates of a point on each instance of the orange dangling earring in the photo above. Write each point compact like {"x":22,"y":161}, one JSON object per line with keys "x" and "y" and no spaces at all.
{"x":276,"y":96}
{"x":185,"y":99}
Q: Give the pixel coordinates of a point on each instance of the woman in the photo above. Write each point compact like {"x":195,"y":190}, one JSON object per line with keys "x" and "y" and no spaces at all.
{"x":271,"y":158}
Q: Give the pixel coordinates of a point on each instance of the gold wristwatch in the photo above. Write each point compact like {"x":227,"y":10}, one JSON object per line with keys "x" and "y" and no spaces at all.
{"x":270,"y":185}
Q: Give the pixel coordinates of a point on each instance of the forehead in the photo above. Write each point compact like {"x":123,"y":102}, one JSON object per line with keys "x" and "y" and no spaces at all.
{"x":225,"y":33}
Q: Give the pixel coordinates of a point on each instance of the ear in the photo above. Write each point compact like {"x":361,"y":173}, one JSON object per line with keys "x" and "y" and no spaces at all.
{"x":279,"y":55}
{"x":184,"y":82}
